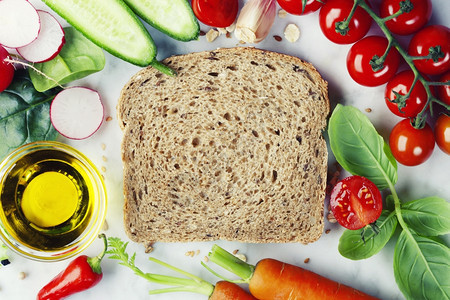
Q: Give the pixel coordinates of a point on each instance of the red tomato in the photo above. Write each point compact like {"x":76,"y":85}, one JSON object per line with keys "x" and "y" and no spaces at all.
{"x":356,"y":202}
{"x":401,"y":84}
{"x":411,"y":146}
{"x":430,"y":37}
{"x":295,"y":6}
{"x":407,"y":22}
{"x":6,"y":70}
{"x":444,"y":90}
{"x":338,"y":10}
{"x":216,"y":13}
{"x":360,"y":56}
{"x":442,"y":133}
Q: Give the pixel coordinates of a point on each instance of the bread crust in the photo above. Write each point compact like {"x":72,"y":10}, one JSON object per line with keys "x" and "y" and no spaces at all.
{"x":229,"y":149}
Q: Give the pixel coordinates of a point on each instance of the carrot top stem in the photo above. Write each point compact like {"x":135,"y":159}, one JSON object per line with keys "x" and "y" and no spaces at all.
{"x":231,"y":263}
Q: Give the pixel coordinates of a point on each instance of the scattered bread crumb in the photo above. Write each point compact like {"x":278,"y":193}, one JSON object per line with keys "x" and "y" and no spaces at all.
{"x":235,"y":251}
{"x":368,"y":110}
{"x":277,"y":38}
{"x":327,"y":231}
{"x":103,"y":169}
{"x":292,"y":33}
{"x":149,"y":248}
{"x":282,"y":14}
{"x":202,"y":33}
{"x":241,"y":256}
{"x":103,"y":146}
{"x":206,"y":259}
{"x":306,"y":260}
{"x":222,"y":31}
{"x":104,"y":158}
{"x":22,"y":275}
{"x":108,"y":119}
{"x":105,"y":225}
{"x":211,"y":35}
{"x":331,"y":218}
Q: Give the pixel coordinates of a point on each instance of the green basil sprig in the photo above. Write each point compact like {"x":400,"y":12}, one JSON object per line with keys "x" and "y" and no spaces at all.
{"x":421,"y":260}
{"x":24,"y":114}
{"x":78,"y":58}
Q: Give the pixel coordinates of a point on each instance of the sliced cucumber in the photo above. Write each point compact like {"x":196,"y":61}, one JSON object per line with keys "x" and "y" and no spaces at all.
{"x":111,"y":25}
{"x":172,"y":17}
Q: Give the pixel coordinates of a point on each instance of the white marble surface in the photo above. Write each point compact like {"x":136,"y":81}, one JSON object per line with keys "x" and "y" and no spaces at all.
{"x":374,"y":275}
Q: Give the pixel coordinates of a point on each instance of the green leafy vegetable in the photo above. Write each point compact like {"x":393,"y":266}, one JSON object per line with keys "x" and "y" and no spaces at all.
{"x":429,"y":216}
{"x":79,"y":57}
{"x":421,"y":267}
{"x":24,"y":116}
{"x":353,"y":247}
{"x":351,"y":132}
{"x":421,"y":260}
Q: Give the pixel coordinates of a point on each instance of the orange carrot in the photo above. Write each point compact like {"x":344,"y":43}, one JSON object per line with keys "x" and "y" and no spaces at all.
{"x":272,"y":279}
{"x":225,"y":290}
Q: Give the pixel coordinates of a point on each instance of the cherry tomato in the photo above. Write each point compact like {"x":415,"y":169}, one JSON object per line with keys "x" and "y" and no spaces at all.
{"x":216,"y":13}
{"x":430,"y":37}
{"x":411,"y":146}
{"x":338,"y":10}
{"x":401,"y":84}
{"x":442,"y":133}
{"x":295,"y":6}
{"x":407,"y":22}
{"x":360,"y":56}
{"x":356,"y":202}
{"x":444,"y":90}
{"x":6,"y":70}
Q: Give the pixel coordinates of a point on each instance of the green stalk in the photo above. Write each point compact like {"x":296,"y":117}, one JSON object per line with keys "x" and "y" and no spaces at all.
{"x":194,"y":284}
{"x":231,"y":263}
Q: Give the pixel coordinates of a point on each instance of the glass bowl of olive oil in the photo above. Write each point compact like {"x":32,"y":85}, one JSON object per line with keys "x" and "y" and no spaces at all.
{"x":52,"y":201}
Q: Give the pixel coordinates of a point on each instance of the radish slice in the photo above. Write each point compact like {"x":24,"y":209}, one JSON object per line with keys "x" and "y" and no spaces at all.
{"x":77,"y":112}
{"x":48,"y":43}
{"x":19,"y":23}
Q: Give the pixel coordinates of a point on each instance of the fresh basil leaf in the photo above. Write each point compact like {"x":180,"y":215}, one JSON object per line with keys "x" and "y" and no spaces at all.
{"x":358,"y":147}
{"x":352,"y":246}
{"x":421,"y":267}
{"x":79,"y":57}
{"x":429,"y":216}
{"x":24,"y":114}
{"x":390,"y":202}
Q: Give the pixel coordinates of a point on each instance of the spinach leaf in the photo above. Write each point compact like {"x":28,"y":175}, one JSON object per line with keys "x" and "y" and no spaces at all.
{"x":352,"y":246}
{"x":429,"y":216}
{"x":79,"y":57}
{"x":358,"y":147}
{"x":421,"y":267}
{"x":24,"y":114}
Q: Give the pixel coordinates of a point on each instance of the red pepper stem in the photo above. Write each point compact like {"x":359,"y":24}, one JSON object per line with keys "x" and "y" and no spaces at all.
{"x":95,"y":261}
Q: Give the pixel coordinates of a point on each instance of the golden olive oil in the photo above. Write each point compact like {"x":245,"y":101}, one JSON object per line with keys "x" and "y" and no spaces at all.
{"x":47,"y":199}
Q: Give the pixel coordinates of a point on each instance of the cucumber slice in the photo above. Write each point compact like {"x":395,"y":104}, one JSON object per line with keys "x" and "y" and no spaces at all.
{"x":174,"y":18}
{"x":110,"y":24}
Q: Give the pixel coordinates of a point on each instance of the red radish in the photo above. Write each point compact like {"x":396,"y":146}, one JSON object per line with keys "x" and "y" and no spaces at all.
{"x":48,"y":43}
{"x":19,"y":23}
{"x":77,"y":112}
{"x":6,"y":70}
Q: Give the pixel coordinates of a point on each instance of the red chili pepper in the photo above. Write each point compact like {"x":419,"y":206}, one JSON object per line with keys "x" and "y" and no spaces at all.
{"x":81,"y":274}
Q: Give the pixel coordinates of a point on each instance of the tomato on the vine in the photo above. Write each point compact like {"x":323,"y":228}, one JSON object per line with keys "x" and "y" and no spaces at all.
{"x":429,"y":38}
{"x":411,"y":146}
{"x":407,"y":22}
{"x":442,"y":133}
{"x":295,"y":7}
{"x":401,"y":84}
{"x":444,"y":90}
{"x":216,"y":13}
{"x":360,"y":61}
{"x":356,"y":202}
{"x":6,"y":70}
{"x":337,"y":11}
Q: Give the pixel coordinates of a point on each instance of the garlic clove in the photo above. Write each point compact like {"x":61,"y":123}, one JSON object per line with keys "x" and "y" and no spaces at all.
{"x":255,"y":20}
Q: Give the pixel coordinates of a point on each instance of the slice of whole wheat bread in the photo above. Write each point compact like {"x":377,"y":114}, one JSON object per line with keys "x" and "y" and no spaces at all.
{"x":229,"y":149}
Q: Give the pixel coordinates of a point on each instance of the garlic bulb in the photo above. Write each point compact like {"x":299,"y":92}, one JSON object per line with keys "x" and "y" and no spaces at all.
{"x":255,"y":20}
